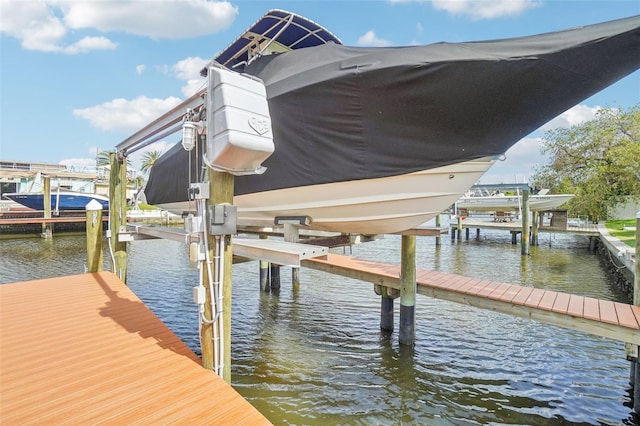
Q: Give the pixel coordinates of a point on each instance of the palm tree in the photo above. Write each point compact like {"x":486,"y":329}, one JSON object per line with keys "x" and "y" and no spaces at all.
{"x":149,"y":159}
{"x":102,"y":159}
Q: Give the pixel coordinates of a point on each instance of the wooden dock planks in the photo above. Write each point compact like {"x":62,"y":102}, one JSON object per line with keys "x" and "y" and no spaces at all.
{"x":604,"y":318}
{"x":84,"y":349}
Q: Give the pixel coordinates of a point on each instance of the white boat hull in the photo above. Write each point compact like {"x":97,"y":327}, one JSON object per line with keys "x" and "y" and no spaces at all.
{"x":368,"y":206}
{"x":501,"y":203}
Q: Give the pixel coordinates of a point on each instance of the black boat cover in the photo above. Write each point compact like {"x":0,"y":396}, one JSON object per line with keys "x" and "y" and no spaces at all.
{"x":347,"y":113}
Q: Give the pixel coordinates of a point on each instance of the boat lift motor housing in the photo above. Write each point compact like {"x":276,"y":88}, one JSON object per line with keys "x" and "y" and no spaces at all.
{"x":239,"y":135}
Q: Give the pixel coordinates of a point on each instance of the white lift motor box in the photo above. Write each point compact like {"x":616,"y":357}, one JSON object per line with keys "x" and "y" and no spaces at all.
{"x":239,"y":135}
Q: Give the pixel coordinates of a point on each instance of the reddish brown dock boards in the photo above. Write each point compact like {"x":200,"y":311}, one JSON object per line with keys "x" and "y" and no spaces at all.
{"x":599,"y":317}
{"x":85,"y":350}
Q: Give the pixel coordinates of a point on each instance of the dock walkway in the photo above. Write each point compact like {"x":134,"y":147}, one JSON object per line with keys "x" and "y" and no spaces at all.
{"x":603,"y":318}
{"x":84,"y":349}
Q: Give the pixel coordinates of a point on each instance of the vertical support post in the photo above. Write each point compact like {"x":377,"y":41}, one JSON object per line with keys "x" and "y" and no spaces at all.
{"x":534,"y":227}
{"x":408,"y":289}
{"x":386,"y":313}
{"x":459,"y":226}
{"x":292,"y":235}
{"x":438,"y":242}
{"x":524,"y":238}
{"x":386,"y":305}
{"x":221,"y":192}
{"x":514,"y":237}
{"x":636,"y":301}
{"x":477,"y":233}
{"x":94,"y":236}
{"x":118,"y":211}
{"x":47,"y":231}
{"x":264,"y":271}
{"x":275,"y":276}
{"x":466,"y":234}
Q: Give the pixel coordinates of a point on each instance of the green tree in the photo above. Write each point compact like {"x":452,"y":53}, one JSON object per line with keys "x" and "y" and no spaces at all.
{"x":598,"y":161}
{"x":149,"y":159}
{"x":102,"y":158}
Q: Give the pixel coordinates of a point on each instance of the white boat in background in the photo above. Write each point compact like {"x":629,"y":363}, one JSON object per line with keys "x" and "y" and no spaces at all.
{"x":380,"y":140}
{"x":504,"y":203}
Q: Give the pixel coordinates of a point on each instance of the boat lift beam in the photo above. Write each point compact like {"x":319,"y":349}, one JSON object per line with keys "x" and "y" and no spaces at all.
{"x":273,"y":251}
{"x":162,"y":126}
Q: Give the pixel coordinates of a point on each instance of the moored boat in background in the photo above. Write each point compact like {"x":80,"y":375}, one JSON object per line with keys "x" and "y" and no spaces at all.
{"x":60,"y":200}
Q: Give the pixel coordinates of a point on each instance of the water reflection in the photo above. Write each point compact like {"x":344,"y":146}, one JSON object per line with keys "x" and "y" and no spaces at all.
{"x":315,"y":354}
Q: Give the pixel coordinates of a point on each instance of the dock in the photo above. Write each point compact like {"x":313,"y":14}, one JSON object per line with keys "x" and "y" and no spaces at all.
{"x":83,"y":349}
{"x":613,"y":320}
{"x":588,"y":230}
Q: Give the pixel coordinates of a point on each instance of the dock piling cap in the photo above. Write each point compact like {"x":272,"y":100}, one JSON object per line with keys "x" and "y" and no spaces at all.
{"x":93,"y":205}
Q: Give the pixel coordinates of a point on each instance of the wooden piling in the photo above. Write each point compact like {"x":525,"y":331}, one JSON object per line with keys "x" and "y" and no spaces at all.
{"x":221,"y":192}
{"x":387,"y":295}
{"x":459,"y":226}
{"x":386,"y":313}
{"x":524,"y":238}
{"x":264,"y":271}
{"x":636,"y":301}
{"x":94,"y":236}
{"x":438,"y":242}
{"x":292,"y":235}
{"x":275,"y":276}
{"x":535,"y":216}
{"x":408,"y":289}
{"x":466,"y":236}
{"x":47,"y":231}
{"x":118,"y":211}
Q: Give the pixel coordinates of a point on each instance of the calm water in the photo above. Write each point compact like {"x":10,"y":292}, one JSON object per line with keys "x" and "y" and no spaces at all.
{"x":315,"y":355}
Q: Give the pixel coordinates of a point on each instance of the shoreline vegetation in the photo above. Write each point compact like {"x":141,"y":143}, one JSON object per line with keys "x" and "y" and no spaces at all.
{"x":624,"y":230}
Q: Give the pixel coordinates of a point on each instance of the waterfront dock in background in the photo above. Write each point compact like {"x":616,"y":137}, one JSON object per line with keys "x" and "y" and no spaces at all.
{"x":613,"y":320}
{"x":83,"y":349}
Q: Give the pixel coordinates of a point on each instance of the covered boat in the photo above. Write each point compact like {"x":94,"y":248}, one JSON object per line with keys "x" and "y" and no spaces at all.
{"x":378,"y":140}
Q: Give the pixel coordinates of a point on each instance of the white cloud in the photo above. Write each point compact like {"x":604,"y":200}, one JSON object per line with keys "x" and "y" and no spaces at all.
{"x":572,"y":117}
{"x":89,"y":43}
{"x":479,"y":9}
{"x":371,"y":39}
{"x":171,"y":19}
{"x":48,"y":25}
{"x":126,"y":115}
{"x":189,"y":70}
{"x":140,"y":69}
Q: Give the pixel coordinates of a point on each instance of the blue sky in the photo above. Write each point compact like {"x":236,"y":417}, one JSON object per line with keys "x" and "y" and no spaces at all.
{"x":77,"y":77}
